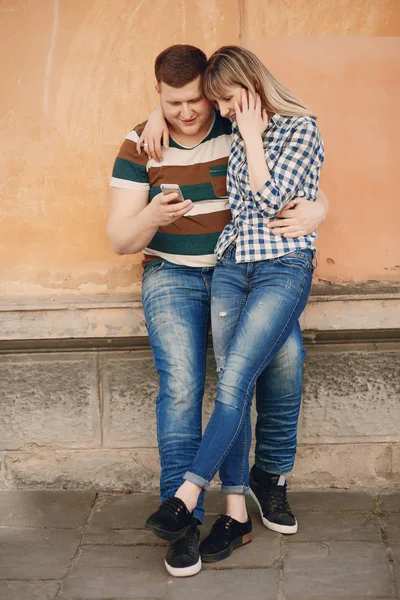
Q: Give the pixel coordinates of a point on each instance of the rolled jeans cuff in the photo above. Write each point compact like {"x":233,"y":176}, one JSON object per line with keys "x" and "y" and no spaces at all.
{"x":235,"y":489}
{"x":200,"y":481}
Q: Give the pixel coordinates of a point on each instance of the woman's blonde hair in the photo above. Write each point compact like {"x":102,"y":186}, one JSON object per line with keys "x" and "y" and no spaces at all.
{"x":236,"y":66}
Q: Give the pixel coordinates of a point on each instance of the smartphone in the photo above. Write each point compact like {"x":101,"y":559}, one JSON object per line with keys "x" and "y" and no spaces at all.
{"x":169,"y":188}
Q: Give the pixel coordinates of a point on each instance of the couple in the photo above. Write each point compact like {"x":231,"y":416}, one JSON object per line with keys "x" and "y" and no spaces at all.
{"x":230,"y":259}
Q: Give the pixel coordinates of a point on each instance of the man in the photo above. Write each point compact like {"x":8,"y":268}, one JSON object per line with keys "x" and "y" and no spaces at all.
{"x":178,"y":240}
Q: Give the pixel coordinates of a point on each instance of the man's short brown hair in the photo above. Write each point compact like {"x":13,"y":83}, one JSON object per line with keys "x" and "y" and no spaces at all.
{"x":180,"y":64}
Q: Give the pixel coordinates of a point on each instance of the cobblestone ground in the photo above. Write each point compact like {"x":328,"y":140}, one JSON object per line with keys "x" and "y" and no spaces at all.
{"x":72,"y":545}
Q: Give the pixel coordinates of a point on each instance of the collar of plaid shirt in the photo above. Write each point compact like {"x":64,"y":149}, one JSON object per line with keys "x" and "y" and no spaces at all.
{"x":294,"y":155}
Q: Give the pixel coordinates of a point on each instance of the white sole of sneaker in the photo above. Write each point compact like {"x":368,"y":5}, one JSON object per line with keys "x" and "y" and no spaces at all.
{"x":286,"y":529}
{"x":185,"y":571}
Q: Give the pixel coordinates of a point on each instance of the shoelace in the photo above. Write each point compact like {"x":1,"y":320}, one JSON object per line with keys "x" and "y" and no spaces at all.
{"x":278,"y":498}
{"x":173,"y":505}
{"x":187,"y":543}
{"x":223,"y":522}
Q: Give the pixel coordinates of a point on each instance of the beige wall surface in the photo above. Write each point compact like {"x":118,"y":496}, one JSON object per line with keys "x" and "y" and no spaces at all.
{"x":78,"y":75}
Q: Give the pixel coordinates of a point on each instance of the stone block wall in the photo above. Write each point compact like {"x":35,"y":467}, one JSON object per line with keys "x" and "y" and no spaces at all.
{"x":86,"y":419}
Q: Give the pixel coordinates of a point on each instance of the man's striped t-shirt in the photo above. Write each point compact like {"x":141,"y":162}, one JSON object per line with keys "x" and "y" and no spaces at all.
{"x":200,"y":172}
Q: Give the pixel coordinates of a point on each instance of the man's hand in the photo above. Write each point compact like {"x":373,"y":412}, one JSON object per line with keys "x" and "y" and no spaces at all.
{"x":133,"y":221}
{"x":299,"y":217}
{"x":161,"y":212}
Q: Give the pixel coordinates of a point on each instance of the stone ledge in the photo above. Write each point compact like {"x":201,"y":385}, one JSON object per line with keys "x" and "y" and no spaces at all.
{"x":121,"y":316}
{"x":373,"y":339}
{"x":338,"y":466}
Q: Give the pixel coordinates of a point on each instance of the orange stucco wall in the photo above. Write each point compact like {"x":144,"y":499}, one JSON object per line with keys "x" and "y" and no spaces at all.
{"x":78,"y":75}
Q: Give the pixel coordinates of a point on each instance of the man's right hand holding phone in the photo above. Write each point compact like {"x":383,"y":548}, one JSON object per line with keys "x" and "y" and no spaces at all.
{"x":164,"y":209}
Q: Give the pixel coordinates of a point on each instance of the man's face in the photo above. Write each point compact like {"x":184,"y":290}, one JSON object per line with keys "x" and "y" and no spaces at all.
{"x":185,"y":108}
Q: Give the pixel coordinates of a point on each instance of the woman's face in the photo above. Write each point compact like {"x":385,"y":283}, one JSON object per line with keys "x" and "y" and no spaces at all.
{"x":226,"y":104}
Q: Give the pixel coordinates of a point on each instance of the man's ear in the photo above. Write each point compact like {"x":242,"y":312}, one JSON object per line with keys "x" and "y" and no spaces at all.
{"x":157,"y":88}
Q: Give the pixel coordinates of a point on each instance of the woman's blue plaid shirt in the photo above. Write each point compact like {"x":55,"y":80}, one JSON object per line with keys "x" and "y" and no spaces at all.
{"x":294,"y":154}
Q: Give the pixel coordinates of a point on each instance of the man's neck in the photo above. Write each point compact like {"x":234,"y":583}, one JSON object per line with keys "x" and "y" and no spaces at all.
{"x":190,"y":141}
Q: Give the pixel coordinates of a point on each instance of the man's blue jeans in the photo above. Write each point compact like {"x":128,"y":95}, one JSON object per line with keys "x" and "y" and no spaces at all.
{"x":254,"y":308}
{"x":176,"y":303}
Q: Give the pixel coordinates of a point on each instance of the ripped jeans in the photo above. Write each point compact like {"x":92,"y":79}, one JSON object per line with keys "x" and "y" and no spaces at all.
{"x":254,"y":308}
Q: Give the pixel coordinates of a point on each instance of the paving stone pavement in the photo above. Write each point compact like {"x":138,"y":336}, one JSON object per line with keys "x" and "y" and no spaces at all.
{"x":73,"y":545}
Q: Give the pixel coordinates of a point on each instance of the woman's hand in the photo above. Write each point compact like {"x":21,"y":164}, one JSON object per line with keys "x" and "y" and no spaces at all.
{"x":155,"y":131}
{"x":251,"y":118}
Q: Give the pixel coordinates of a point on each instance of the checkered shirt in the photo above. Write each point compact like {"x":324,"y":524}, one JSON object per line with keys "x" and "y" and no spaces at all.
{"x":294,"y":154}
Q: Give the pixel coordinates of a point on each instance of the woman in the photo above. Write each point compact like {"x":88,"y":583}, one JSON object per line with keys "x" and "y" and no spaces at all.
{"x":261,"y":282}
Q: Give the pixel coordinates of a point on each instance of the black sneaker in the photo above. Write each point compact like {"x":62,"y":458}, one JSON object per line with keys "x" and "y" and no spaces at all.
{"x":226,"y":534}
{"x":171,"y":520}
{"x":183,"y":557}
{"x":270,"y":497}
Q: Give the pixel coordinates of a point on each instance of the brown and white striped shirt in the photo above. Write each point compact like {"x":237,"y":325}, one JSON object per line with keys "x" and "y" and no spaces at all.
{"x":200,"y":172}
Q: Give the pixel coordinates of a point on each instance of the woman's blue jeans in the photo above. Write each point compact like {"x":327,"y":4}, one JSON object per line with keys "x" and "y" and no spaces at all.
{"x":254,"y":308}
